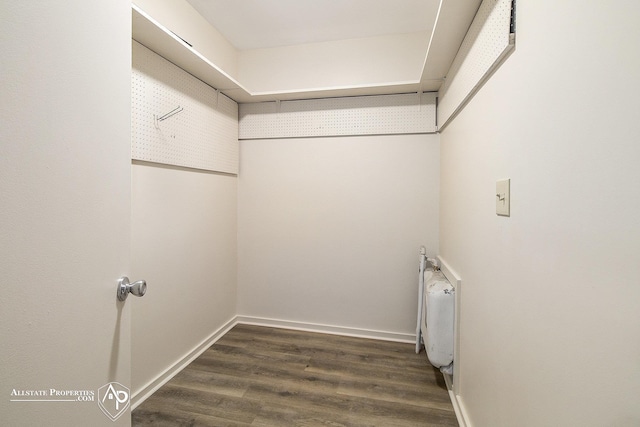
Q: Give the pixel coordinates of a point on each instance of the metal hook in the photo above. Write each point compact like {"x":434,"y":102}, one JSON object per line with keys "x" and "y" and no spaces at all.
{"x":173,"y":112}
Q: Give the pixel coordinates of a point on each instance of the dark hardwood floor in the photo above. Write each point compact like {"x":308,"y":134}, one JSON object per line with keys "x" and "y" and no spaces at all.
{"x":259,"y":376}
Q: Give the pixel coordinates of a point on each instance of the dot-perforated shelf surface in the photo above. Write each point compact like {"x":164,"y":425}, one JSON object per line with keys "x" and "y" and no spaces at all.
{"x":361,"y":115}
{"x":177,"y":119}
{"x":483,"y":49}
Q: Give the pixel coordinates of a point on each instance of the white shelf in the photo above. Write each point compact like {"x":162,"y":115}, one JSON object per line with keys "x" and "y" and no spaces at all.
{"x":150,"y":33}
{"x":153,"y":35}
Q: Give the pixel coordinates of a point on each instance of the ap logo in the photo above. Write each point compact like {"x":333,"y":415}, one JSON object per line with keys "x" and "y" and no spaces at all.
{"x":113,"y":399}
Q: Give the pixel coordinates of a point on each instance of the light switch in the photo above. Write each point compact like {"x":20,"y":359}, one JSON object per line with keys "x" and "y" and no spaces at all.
{"x":503,"y":197}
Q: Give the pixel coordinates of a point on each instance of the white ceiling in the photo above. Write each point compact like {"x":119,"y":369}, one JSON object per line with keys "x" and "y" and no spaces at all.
{"x":254,"y":24}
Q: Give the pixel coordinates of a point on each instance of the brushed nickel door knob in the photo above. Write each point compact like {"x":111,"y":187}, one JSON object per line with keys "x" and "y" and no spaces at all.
{"x":138,"y":288}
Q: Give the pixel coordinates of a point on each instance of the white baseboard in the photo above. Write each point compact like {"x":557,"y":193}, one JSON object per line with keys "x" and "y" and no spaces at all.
{"x":456,"y":401}
{"x":141,"y":395}
{"x":328,"y":329}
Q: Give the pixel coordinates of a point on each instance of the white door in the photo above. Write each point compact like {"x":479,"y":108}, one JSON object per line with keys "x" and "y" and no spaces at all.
{"x":64,"y":212}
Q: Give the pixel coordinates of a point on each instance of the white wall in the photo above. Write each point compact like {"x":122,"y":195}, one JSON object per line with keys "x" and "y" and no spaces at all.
{"x":356,"y":62}
{"x":183,"y":218}
{"x":550,"y":296}
{"x":329,"y":229}
{"x":184,"y":245}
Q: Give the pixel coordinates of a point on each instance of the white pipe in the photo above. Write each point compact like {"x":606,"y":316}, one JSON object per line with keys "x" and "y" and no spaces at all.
{"x":423,"y":261}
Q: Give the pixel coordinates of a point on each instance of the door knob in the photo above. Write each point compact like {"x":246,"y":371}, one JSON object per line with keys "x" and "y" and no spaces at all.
{"x":125,"y":288}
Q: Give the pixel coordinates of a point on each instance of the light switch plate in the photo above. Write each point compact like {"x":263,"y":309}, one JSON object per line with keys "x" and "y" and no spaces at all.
{"x":503,"y":197}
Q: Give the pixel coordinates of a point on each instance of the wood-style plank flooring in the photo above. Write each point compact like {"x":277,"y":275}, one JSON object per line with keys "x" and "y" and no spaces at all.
{"x":259,"y":376}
